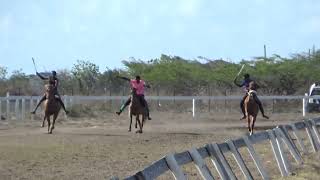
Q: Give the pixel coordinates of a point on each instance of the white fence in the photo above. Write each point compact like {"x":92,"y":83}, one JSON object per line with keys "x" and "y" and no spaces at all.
{"x":17,"y":107}
{"x":278,"y":137}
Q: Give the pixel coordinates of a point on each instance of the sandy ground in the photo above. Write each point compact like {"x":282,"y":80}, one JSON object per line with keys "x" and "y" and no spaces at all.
{"x":100,"y":148}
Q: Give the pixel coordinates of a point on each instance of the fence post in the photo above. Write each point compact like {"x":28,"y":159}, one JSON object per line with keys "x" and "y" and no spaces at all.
{"x":0,"y":109}
{"x":23,"y":108}
{"x":8,"y":106}
{"x":304,"y":105}
{"x":193,"y":108}
{"x":16,"y":108}
{"x":31,"y":107}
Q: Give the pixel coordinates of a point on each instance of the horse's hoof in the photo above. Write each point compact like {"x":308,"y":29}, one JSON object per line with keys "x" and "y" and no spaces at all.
{"x":139,"y":131}
{"x":42,"y":125}
{"x":129,"y":130}
{"x":251,"y":133}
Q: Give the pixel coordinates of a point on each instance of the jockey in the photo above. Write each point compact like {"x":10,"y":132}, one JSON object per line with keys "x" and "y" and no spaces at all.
{"x":52,"y":80}
{"x":249,"y":87}
{"x":139,"y":85}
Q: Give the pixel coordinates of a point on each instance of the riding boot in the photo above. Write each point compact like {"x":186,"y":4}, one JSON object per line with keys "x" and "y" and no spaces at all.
{"x":123,"y":106}
{"x":42,"y":99}
{"x":145,"y":104}
{"x":62,"y":104}
{"x":260,"y":107}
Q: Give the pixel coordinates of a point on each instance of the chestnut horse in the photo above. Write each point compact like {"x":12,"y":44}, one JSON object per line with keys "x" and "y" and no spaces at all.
{"x":51,"y":107}
{"x":136,"y":108}
{"x":251,"y":108}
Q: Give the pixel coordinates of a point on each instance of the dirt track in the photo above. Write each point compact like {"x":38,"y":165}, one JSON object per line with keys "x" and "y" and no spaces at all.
{"x":102,"y":148}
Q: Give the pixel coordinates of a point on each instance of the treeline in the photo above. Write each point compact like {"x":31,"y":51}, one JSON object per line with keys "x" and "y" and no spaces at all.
{"x":173,"y":75}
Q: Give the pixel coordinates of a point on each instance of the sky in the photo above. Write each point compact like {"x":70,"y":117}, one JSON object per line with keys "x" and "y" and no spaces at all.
{"x":58,"y":32}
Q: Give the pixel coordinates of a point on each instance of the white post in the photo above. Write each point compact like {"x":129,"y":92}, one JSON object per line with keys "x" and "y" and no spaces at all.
{"x":0,"y":109}
{"x":304,"y":105}
{"x":8,"y":106}
{"x":23,"y":108}
{"x":193,"y":107}
{"x":31,"y":106}
{"x":16,"y":107}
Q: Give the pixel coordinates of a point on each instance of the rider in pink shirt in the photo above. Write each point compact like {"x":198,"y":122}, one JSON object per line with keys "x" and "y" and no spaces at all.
{"x":139,"y":85}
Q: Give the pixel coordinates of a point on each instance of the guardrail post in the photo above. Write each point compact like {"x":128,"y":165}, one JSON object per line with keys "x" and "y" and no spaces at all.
{"x":276,"y":153}
{"x":292,"y":149}
{"x":222,"y":160}
{"x":313,"y":141}
{"x":200,"y":164}
{"x":240,"y":161}
{"x":256,"y":158}
{"x":315,"y":130}
{"x":299,"y":139}
{"x":174,"y":167}
{"x":216,"y":162}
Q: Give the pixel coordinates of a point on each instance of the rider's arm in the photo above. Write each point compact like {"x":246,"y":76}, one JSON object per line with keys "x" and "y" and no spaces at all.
{"x":237,"y":84}
{"x":124,"y":78}
{"x":42,"y":77}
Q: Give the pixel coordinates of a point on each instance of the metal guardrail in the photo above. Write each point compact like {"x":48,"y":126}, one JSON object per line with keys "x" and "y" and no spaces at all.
{"x":279,"y":139}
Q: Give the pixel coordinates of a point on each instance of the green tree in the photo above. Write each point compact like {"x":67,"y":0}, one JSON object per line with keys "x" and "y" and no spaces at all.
{"x":86,"y":73}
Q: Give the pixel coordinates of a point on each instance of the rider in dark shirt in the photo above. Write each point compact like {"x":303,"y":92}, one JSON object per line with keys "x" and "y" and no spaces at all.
{"x":246,"y":83}
{"x":53,"y":80}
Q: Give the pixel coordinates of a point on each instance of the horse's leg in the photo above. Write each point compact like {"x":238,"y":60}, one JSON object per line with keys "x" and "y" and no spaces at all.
{"x":252,"y":123}
{"x":44,"y":118}
{"x":49,"y":124}
{"x":136,"y":125}
{"x":140,"y":126}
{"x":129,"y":130}
{"x":248,"y":119}
{"x":53,"y":121}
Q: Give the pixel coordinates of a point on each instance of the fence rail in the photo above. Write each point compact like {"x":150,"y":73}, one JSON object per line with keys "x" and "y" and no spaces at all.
{"x":21,"y":103}
{"x":279,"y":138}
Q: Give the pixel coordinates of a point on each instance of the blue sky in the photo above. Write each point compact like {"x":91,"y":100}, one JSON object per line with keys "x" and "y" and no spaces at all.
{"x":58,"y":32}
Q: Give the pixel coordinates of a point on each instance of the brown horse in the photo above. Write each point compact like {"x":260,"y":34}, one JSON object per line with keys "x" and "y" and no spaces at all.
{"x":136,"y":108}
{"x":52,"y":107}
{"x":251,"y":108}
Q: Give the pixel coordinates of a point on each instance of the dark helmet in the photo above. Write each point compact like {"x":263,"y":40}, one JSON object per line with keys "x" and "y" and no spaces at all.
{"x":54,"y":73}
{"x":138,"y":77}
{"x":246,"y":75}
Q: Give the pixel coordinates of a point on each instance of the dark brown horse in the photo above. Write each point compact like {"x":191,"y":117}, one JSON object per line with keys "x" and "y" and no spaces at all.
{"x":51,"y":107}
{"x":136,"y":108}
{"x":251,"y":107}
